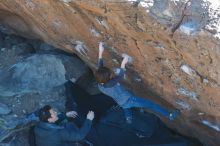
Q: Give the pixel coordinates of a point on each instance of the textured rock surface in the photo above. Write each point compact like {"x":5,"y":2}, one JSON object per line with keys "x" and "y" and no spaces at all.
{"x":174,"y":44}
{"x":39,"y":72}
{"x":4,"y":109}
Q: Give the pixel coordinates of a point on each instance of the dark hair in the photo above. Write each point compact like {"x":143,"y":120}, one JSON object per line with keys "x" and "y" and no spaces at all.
{"x":103,"y":75}
{"x":44,"y":113}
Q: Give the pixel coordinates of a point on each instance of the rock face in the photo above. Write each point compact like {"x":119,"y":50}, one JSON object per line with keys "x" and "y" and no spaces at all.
{"x":4,"y":109}
{"x":174,"y":45}
{"x":39,"y":72}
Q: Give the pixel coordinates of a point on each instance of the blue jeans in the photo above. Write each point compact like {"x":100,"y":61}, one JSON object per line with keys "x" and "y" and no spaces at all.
{"x":144,"y":103}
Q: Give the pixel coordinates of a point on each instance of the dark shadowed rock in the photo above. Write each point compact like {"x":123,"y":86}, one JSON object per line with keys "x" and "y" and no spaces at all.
{"x":23,"y":49}
{"x":11,"y":40}
{"x":46,"y":47}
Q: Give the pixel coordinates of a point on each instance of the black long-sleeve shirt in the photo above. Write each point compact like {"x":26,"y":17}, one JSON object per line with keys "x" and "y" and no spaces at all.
{"x":113,"y":88}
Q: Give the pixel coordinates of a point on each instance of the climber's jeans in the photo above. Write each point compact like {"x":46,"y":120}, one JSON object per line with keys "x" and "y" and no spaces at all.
{"x":143,"y":103}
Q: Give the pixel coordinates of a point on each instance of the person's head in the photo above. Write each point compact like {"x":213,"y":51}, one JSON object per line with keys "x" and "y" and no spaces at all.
{"x":103,"y":75}
{"x":48,"y":114}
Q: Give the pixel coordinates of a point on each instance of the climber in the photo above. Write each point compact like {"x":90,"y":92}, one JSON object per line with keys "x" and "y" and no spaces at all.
{"x":51,"y":131}
{"x":70,"y":105}
{"x":109,"y":85}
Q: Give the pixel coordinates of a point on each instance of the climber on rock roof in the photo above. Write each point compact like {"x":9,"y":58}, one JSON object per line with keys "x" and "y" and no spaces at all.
{"x":109,"y":85}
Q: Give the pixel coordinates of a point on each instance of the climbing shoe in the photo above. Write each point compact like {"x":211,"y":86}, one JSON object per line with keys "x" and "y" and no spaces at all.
{"x":128,"y":120}
{"x":173,"y":115}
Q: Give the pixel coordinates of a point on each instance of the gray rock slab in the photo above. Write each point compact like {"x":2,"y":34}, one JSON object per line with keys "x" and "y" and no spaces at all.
{"x":40,"y":72}
{"x":4,"y":109}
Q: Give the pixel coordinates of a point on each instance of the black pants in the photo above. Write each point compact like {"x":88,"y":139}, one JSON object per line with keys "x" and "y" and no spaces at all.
{"x":79,"y":100}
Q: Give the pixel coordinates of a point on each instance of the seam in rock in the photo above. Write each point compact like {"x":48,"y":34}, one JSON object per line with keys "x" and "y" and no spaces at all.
{"x":181,"y":20}
{"x":139,"y":50}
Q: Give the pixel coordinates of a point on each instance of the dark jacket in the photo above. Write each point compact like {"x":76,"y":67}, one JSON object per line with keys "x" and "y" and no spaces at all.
{"x":48,"y":134}
{"x":113,"y":88}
